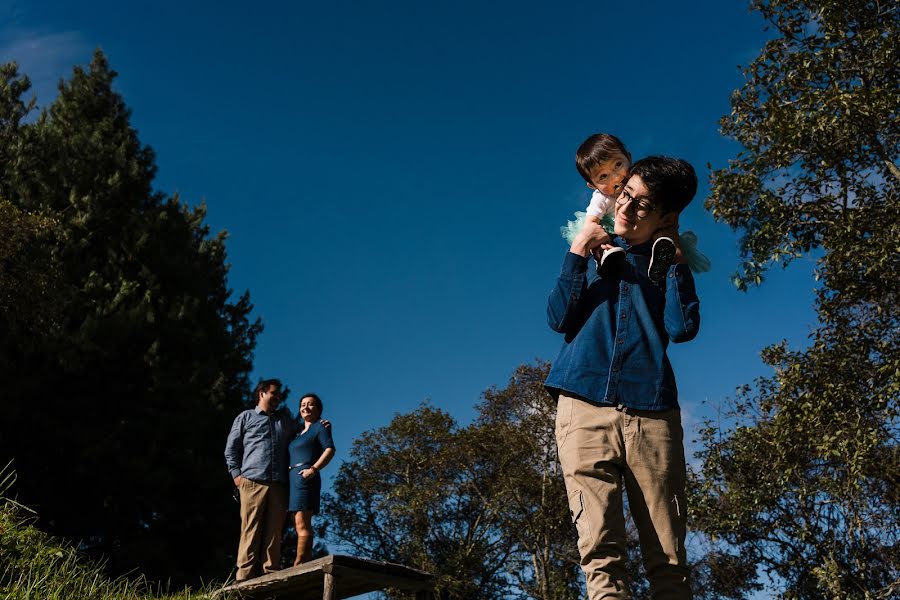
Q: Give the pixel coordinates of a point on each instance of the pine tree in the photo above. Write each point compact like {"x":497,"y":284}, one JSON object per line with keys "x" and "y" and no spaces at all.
{"x":116,"y":419}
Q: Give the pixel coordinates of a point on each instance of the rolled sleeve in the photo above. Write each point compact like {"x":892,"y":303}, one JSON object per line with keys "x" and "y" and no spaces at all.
{"x":682,"y":311}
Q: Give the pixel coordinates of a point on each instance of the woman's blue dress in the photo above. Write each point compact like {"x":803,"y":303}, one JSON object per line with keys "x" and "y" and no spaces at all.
{"x":305,"y":449}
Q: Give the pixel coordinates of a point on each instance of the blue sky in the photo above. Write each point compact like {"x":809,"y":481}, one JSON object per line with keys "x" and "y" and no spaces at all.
{"x":393,"y":175}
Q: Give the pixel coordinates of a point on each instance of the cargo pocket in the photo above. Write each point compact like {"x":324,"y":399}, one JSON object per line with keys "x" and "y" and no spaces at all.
{"x":581,"y":522}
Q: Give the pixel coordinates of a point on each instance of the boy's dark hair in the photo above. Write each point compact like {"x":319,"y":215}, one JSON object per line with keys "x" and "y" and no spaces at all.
{"x":597,"y":149}
{"x":317,"y":402}
{"x":264,"y":385}
{"x":671,"y":182}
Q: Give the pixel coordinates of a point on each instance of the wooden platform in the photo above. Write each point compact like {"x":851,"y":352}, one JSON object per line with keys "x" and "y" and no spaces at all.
{"x":333,"y":577}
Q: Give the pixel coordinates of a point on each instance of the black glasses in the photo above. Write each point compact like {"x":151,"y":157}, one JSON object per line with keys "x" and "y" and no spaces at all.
{"x":642,"y":208}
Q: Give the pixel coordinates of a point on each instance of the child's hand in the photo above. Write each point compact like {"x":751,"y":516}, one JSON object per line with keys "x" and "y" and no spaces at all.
{"x":590,"y":237}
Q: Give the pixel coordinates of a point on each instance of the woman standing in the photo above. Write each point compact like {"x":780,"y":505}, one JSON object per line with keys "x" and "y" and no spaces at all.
{"x":310,"y":450}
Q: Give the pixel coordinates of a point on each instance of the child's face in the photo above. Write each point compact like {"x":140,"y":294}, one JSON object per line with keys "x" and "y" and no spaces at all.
{"x":609,"y":177}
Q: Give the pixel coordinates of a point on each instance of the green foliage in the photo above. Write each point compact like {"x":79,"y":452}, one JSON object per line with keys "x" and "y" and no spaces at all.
{"x":482,"y":507}
{"x":805,"y":477}
{"x":409,"y":494}
{"x":117,"y":413}
{"x":35,"y":565}
{"x":818,"y":121}
{"x":28,"y":274}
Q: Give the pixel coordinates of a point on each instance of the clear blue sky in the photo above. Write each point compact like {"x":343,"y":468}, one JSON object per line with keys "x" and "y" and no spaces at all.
{"x":393,"y":175}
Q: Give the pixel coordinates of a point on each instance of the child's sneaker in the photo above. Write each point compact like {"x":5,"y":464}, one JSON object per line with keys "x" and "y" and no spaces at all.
{"x":661,"y":258}
{"x":611,"y":262}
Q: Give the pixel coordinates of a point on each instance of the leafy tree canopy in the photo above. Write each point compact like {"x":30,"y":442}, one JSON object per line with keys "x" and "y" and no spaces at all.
{"x":806,"y":482}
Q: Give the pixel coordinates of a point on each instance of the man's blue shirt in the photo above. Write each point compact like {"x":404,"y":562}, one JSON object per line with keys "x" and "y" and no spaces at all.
{"x":257,"y":445}
{"x":617,"y":330}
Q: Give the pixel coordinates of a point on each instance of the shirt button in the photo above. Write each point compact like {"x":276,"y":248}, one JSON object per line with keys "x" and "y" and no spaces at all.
{"x":618,"y":341}
{"x":622,"y":315}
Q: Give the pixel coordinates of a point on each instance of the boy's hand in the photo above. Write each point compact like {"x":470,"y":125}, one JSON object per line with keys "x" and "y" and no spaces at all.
{"x":590,"y":237}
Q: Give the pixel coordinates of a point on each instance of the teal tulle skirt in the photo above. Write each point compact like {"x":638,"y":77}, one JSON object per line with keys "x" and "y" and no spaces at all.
{"x":696,"y":260}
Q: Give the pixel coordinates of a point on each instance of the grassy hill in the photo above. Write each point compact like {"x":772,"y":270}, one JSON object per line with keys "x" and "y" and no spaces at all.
{"x":36,"y":566}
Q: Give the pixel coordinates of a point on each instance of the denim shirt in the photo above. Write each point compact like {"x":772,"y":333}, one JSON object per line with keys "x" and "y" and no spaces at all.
{"x":257,"y":445}
{"x":617,"y":329}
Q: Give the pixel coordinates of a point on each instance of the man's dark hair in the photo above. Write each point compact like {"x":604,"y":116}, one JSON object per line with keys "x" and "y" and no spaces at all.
{"x":263,"y":386}
{"x":317,"y":402}
{"x":598,"y":149}
{"x":671,"y":182}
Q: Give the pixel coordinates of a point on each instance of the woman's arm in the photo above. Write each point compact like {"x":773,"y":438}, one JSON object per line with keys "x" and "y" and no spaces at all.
{"x":319,"y":464}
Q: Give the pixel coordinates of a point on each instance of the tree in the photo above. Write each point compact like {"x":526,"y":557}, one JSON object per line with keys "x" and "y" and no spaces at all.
{"x":415,"y":492}
{"x":517,"y":423}
{"x":117,"y":416}
{"x":806,"y":481}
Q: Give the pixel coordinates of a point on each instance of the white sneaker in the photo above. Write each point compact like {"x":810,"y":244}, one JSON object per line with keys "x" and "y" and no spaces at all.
{"x":611,"y":261}
{"x":661,"y":258}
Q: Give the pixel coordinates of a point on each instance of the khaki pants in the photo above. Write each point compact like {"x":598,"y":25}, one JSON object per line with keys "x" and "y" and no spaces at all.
{"x":263,"y":508}
{"x":600,"y":448}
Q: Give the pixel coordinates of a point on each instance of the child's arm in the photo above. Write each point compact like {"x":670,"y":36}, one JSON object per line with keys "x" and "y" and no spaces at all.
{"x":566,"y":296}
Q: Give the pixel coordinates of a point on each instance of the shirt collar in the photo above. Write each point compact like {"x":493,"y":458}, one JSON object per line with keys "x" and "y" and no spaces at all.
{"x":644,"y":248}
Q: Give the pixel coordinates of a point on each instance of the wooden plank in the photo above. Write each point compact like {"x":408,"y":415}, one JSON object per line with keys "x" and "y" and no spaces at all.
{"x":328,"y":587}
{"x":377,"y":580}
{"x":348,"y":575}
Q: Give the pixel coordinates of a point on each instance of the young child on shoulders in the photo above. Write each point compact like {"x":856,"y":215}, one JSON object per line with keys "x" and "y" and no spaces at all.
{"x":604,"y":162}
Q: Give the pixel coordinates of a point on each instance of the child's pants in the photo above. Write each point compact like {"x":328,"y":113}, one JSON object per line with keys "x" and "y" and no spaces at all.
{"x":599,"y":449}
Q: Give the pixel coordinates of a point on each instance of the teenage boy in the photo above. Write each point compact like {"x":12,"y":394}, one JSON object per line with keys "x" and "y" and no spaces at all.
{"x":257,"y":459}
{"x":618,"y":424}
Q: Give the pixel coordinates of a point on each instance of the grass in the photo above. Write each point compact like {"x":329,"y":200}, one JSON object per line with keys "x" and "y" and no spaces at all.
{"x":36,"y":566}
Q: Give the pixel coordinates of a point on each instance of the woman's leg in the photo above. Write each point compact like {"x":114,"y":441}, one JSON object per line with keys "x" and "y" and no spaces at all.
{"x":303,"y":525}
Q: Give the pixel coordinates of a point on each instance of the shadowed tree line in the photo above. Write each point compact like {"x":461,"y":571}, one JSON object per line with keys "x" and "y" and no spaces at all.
{"x":123,"y":355}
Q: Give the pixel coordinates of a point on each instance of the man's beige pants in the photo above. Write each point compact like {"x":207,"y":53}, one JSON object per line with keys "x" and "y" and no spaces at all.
{"x":599,"y":449}
{"x":263,"y":508}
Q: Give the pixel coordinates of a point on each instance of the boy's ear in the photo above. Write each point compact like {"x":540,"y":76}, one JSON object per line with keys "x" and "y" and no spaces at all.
{"x":670,"y":220}
{"x":591,"y":185}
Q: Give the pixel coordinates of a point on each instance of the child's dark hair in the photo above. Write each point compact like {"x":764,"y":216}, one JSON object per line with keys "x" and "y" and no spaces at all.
{"x":598,"y":149}
{"x":671,"y":182}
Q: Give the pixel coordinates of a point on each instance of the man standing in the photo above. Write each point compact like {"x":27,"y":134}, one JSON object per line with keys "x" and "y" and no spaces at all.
{"x":256,"y":456}
{"x":618,"y":423}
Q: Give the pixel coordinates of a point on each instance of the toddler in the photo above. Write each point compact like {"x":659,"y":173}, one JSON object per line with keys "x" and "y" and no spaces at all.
{"x":604,"y":163}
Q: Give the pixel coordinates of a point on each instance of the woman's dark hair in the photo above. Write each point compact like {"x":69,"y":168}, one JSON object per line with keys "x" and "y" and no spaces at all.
{"x":264,"y":385}
{"x":596,"y":150}
{"x":671,"y":182}
{"x":317,"y":402}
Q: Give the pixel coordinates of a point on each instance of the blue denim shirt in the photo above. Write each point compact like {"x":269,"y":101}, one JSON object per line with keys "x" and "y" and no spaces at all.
{"x":257,"y":446}
{"x":617,"y":330}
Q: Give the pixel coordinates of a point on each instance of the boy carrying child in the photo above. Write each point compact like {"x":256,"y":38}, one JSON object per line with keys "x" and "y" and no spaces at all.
{"x":618,"y":424}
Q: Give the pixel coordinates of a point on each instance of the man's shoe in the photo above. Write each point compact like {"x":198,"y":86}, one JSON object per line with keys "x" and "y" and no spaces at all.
{"x":661,"y":258}
{"x":611,"y":262}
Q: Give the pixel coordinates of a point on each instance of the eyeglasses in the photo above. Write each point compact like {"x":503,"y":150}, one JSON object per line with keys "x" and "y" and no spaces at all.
{"x":642,"y":208}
